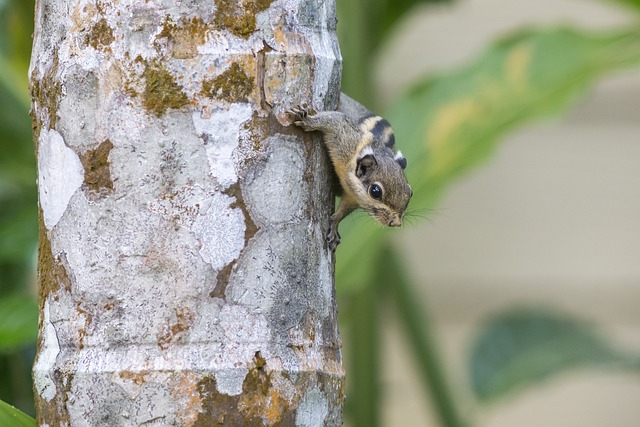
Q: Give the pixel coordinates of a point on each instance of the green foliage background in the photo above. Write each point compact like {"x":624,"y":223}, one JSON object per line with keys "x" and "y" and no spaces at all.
{"x":18,"y":209}
{"x":447,"y":123}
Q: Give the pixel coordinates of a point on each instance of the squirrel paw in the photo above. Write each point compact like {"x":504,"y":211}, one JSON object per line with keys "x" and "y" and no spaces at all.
{"x":333,"y":240}
{"x":299,"y":114}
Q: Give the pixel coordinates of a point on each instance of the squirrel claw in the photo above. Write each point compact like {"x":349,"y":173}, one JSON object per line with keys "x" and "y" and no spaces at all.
{"x":298,"y":113}
{"x":333,"y":240}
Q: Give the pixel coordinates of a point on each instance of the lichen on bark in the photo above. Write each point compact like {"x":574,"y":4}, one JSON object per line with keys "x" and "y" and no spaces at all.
{"x":101,"y":35}
{"x":46,"y":91}
{"x":184,"y":37}
{"x":182,"y":266}
{"x":161,"y":91}
{"x":233,"y":85}
{"x":239,"y":17}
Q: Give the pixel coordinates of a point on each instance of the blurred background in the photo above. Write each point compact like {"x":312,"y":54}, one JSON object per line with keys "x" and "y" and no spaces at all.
{"x":511,"y":297}
{"x":552,"y":220}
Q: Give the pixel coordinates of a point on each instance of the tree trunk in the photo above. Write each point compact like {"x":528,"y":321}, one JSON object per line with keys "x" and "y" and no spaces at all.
{"x":183,"y":270}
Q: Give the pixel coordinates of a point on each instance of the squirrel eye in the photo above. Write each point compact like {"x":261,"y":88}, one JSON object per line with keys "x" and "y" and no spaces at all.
{"x":375,"y":191}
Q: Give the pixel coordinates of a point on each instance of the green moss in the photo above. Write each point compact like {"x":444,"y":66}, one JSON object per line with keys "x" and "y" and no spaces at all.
{"x":101,"y":35}
{"x":129,"y":89}
{"x":46,"y":92}
{"x":184,"y":37}
{"x":97,"y":176}
{"x":161,"y":91}
{"x":217,"y":408}
{"x":233,"y":85}
{"x":52,"y":275}
{"x":239,"y":17}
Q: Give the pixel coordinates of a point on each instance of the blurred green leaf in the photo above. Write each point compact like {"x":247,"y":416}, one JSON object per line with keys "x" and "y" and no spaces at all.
{"x":18,"y":231}
{"x":363,"y":27}
{"x":415,"y":323}
{"x":364,"y":353}
{"x":447,"y":124}
{"x":14,"y":82}
{"x":16,"y":147}
{"x":18,"y":322}
{"x":521,"y":348}
{"x":452,"y":123}
{"x":12,"y":417}
{"x":18,"y":212}
{"x":16,"y":28}
{"x":633,"y":3}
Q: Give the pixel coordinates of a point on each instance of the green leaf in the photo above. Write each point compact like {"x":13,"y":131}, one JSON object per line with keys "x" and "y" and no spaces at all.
{"x":447,"y":124}
{"x":12,"y":79}
{"x":10,"y":416}
{"x":18,"y":322}
{"x":632,"y":3}
{"x":364,"y":358}
{"x":364,"y":26}
{"x":16,"y":29}
{"x":420,"y":338}
{"x":521,"y":348}
{"x":19,"y":232}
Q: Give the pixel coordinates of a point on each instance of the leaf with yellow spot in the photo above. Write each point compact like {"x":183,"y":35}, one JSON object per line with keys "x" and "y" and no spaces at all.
{"x":447,"y":124}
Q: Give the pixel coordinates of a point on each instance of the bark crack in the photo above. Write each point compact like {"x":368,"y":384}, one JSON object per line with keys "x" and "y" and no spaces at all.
{"x":262,"y":71}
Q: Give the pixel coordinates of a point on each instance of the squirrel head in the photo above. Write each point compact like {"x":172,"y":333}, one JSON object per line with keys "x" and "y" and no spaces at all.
{"x":386,"y":190}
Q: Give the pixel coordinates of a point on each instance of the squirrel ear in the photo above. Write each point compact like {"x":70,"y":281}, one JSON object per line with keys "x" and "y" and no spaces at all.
{"x":365,"y":165}
{"x":402,"y":161}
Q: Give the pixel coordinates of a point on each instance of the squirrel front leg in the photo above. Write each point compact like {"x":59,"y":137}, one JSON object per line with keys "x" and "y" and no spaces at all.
{"x":347,"y":205}
{"x":324,"y":121}
{"x":340,"y":137}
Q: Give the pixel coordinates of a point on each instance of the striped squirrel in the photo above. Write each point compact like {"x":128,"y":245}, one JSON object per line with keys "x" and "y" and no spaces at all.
{"x":360,"y":147}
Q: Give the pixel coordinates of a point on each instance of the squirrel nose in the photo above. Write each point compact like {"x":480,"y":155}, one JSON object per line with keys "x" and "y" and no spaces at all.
{"x":395,"y":222}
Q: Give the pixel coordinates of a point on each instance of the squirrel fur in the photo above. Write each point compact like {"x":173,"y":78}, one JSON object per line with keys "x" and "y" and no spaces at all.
{"x":371,"y":174}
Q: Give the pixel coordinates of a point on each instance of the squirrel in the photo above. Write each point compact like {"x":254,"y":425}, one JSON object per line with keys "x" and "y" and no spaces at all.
{"x":371,"y":174}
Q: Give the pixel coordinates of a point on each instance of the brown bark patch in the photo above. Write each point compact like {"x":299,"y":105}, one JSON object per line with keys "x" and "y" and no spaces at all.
{"x":233,"y":85}
{"x":82,"y":331}
{"x":137,"y":378}
{"x":55,"y":411}
{"x":177,"y":329}
{"x":161,"y":91}
{"x":46,"y":91}
{"x":222,"y":279}
{"x":97,"y":176}
{"x":239,"y":17}
{"x":185,"y":37}
{"x":101,"y":35}
{"x":260,"y":404}
{"x":52,"y":274}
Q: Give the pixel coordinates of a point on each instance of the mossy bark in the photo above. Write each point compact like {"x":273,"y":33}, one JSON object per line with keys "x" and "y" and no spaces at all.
{"x":183,"y":270}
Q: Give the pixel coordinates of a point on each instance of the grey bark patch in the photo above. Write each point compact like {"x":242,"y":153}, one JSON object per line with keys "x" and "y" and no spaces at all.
{"x":276,"y":192}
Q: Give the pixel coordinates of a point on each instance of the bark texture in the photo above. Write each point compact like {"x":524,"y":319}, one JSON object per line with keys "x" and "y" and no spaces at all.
{"x":183,"y":271}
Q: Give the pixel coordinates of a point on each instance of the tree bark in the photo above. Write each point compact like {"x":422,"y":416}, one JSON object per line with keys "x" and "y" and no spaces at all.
{"x":183,"y":271}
